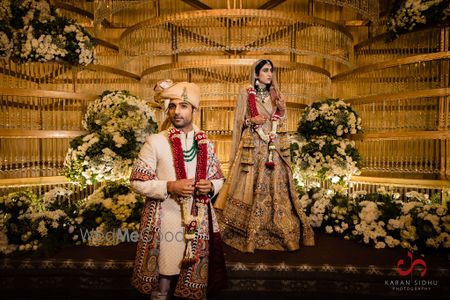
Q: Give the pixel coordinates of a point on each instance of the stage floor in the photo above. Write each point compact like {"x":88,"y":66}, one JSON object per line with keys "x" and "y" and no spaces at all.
{"x":334,"y":269}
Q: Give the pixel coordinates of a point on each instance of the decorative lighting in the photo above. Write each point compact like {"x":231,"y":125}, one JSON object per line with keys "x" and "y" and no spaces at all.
{"x":237,"y":33}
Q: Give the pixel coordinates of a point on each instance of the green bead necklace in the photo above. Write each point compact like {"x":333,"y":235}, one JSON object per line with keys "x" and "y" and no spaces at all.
{"x":190,"y":154}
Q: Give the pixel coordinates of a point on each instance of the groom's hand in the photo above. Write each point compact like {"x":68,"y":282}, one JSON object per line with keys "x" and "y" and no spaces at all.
{"x":204,"y":186}
{"x":182,"y":187}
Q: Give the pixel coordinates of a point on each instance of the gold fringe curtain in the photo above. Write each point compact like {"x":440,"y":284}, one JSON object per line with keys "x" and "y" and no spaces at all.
{"x":237,"y":33}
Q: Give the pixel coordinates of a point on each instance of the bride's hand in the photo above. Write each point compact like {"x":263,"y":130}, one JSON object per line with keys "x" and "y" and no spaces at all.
{"x":258,"y":120}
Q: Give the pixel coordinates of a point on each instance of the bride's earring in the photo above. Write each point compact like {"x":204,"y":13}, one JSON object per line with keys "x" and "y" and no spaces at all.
{"x":257,"y":81}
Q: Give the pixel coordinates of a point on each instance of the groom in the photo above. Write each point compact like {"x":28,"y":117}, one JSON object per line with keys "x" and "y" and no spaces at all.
{"x":177,"y":170}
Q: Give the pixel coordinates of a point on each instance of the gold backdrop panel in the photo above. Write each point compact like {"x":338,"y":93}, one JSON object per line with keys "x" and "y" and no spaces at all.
{"x":367,"y":9}
{"x":32,"y":157}
{"x":36,"y":75}
{"x":375,"y":50}
{"x":127,"y":13}
{"x":401,"y":157}
{"x":107,"y":54}
{"x":395,"y":114}
{"x":401,"y":75}
{"x":44,"y":113}
{"x":96,"y":79}
{"x":399,"y":185}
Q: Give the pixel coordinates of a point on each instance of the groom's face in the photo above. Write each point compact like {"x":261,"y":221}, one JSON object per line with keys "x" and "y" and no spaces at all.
{"x":180,"y":113}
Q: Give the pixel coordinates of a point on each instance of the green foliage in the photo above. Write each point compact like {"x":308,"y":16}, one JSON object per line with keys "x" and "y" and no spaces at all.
{"x":114,"y":189}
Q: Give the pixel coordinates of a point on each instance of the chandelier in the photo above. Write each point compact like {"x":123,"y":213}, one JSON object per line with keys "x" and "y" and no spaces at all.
{"x":239,"y":33}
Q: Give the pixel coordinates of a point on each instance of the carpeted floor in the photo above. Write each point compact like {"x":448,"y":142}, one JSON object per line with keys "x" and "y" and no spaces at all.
{"x":334,"y":269}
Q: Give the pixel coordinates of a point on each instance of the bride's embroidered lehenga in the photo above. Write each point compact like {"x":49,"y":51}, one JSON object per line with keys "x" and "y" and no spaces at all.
{"x":260,"y":207}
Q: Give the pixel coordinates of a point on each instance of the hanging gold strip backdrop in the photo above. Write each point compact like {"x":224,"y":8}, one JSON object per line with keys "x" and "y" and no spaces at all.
{"x":236,"y":32}
{"x":375,"y":50}
{"x":368,"y":9}
{"x":127,"y":13}
{"x":392,"y":112}
{"x":400,"y":75}
{"x":223,"y":78}
{"x":402,"y":93}
{"x":34,"y":75}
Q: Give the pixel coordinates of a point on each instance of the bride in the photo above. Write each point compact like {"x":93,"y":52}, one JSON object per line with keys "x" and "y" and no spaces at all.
{"x":259,"y":202}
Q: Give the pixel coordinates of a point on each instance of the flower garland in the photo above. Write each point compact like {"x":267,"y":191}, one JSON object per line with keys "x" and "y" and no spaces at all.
{"x":191,"y":217}
{"x":267,"y":138}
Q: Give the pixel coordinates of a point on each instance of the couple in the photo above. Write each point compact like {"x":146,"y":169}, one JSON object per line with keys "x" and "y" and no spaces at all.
{"x":178,"y":171}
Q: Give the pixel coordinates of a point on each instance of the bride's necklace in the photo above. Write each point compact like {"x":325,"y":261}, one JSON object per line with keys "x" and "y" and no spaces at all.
{"x":262,"y":93}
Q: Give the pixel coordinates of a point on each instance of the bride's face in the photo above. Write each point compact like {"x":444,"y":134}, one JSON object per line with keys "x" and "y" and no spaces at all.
{"x":265,"y":74}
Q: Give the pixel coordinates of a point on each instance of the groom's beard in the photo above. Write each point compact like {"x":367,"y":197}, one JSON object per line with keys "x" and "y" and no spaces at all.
{"x":180,"y":122}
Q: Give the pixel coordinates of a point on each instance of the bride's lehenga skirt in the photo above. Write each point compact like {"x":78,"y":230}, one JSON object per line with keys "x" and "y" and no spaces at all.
{"x":260,"y":205}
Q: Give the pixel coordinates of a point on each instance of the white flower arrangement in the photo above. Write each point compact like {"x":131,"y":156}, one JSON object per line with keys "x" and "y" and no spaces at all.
{"x":51,"y":196}
{"x":31,"y":223}
{"x":118,"y":124}
{"x":6,"y":42}
{"x":13,"y":230}
{"x":325,"y":158}
{"x":380,"y":218}
{"x":112,"y":207}
{"x":410,"y":14}
{"x":330,"y":117}
{"x":322,"y":152}
{"x":318,"y":211}
{"x":39,"y":34}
